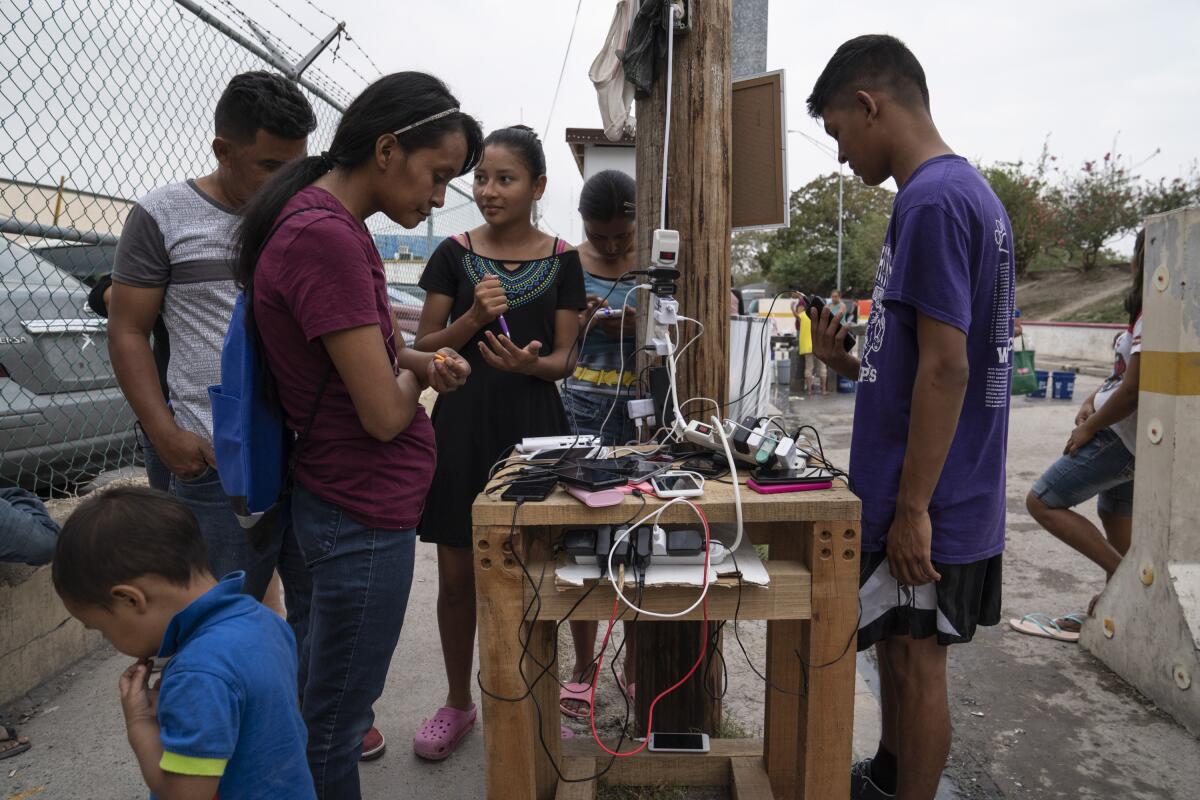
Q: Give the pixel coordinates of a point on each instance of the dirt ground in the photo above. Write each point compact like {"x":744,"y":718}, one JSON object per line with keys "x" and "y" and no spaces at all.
{"x":1066,"y":295}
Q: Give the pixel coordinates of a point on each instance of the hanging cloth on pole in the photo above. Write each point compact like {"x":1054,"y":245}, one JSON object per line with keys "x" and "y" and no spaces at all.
{"x":614,"y":93}
{"x":646,"y":47}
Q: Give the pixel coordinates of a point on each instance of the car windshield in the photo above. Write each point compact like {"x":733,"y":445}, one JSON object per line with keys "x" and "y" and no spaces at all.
{"x":22,"y":269}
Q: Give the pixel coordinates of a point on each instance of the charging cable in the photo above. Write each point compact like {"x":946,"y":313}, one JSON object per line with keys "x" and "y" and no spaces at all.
{"x":654,"y":515}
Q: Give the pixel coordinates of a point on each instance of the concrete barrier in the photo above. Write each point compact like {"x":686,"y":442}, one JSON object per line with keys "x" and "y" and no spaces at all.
{"x":38,"y":638}
{"x":1072,"y":341}
{"x":1147,"y":621}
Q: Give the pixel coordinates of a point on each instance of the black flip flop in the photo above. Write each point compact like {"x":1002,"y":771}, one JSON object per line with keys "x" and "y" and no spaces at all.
{"x":11,"y":735}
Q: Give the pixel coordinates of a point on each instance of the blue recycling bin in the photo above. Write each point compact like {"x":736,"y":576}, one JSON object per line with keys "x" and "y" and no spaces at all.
{"x":1064,"y":385}
{"x":1043,"y":377}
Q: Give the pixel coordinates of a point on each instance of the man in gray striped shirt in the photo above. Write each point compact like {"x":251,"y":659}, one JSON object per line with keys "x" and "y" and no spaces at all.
{"x":175,"y":257}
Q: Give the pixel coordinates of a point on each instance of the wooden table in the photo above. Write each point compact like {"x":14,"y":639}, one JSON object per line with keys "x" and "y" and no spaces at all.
{"x":811,"y":607}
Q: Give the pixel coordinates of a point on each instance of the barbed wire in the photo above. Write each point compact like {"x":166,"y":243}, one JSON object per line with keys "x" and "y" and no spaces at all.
{"x":102,"y":103}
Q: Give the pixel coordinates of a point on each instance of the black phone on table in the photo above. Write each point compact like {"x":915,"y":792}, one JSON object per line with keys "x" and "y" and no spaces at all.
{"x":815,"y":302}
{"x":590,"y":478}
{"x":766,"y":477}
{"x":530,"y":489}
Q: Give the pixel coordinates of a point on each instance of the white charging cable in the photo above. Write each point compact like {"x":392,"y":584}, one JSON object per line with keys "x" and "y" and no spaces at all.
{"x":624,"y":535}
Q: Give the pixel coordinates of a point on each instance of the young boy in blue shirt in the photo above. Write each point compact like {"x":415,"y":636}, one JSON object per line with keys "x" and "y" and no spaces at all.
{"x":224,"y":719}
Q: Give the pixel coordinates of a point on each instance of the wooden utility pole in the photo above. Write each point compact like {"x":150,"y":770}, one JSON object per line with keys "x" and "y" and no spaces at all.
{"x":698,"y":191}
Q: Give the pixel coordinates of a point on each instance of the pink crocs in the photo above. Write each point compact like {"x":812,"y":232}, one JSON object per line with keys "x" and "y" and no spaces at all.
{"x":438,"y":737}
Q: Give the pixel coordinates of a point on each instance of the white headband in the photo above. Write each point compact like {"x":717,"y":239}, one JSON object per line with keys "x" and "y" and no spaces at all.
{"x":419,"y":123}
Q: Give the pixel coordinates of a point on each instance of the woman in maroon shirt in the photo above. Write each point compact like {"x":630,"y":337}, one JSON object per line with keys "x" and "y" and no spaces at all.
{"x":320,"y":308}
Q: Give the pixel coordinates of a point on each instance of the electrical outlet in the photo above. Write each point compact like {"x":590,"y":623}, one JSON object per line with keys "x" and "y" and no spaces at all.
{"x":683,"y":14}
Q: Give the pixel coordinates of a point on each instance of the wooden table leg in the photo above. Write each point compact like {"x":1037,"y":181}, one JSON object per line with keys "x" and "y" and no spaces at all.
{"x":509,"y":736}
{"x":781,"y":748}
{"x":534,"y":546}
{"x":826,"y":729}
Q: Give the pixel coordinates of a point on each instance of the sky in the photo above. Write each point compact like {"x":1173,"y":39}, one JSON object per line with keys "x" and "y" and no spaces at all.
{"x":1002,"y":79}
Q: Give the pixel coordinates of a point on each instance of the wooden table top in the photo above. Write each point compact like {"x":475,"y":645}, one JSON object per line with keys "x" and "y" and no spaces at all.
{"x":717,"y":502}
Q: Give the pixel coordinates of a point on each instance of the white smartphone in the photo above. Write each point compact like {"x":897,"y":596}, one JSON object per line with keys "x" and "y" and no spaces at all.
{"x":678,"y":742}
{"x":677,"y":483}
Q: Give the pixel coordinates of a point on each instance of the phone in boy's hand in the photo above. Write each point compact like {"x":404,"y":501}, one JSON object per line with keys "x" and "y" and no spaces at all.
{"x":815,"y":302}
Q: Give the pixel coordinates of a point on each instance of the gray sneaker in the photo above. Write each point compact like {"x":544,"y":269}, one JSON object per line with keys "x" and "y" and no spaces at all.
{"x":861,"y":785}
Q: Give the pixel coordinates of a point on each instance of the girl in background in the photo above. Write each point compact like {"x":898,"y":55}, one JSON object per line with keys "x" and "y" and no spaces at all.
{"x":508,"y":296}
{"x":599,"y":388}
{"x":1098,"y":461}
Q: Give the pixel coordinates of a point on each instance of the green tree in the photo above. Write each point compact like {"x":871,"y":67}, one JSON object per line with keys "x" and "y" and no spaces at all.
{"x":1023,"y":189}
{"x":1167,"y":195}
{"x":1094,"y":206}
{"x":746,"y":247}
{"x":804,"y":254}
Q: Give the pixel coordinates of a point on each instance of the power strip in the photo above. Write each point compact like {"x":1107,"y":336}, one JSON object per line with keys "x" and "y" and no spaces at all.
{"x":786,"y":453}
{"x":533,"y":444}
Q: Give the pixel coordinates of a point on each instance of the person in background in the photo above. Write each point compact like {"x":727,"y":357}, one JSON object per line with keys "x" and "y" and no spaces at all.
{"x":157,"y":473}
{"x":509,"y":296}
{"x":604,"y":373}
{"x":131,"y":563}
{"x":596,"y":393}
{"x":174,"y":263}
{"x":318,"y":293}
{"x":838,"y":308}
{"x":929,"y":448}
{"x":27,"y":533}
{"x":1098,"y":461}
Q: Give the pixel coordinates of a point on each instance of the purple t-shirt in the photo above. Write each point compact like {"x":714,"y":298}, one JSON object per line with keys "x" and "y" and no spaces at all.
{"x":321,"y":273}
{"x":947,"y":255}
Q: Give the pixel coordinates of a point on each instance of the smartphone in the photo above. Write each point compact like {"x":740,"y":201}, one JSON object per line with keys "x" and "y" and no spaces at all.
{"x":814,"y":301}
{"x":562,"y":453}
{"x":674,"y":483}
{"x":646,"y":469}
{"x":678,"y":742}
{"x":590,"y":478}
{"x":812,"y":475}
{"x":530,"y":489}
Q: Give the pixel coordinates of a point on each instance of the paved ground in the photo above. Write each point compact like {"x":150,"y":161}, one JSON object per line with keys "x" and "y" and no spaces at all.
{"x":1032,"y":718}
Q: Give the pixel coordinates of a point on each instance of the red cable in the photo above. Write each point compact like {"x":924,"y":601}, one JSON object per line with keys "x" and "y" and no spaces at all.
{"x":604,"y":644}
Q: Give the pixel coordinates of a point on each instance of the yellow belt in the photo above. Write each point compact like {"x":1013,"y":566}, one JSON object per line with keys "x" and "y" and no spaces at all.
{"x":603,"y":377}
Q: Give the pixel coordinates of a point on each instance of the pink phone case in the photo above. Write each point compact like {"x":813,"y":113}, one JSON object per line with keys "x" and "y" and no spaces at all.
{"x":780,"y":488}
{"x":597,"y":499}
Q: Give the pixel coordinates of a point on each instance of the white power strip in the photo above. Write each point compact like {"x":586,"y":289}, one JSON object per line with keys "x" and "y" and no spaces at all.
{"x":533,"y":444}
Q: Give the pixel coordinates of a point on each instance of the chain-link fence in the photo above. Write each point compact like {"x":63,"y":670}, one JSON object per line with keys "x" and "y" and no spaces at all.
{"x":100,"y":103}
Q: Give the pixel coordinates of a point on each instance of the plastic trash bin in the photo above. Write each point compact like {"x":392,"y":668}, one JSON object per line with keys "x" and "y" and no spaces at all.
{"x":1064,"y":385}
{"x":1043,"y":377}
{"x":783,"y":368}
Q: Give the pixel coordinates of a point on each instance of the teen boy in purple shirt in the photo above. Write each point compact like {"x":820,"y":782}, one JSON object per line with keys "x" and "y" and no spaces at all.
{"x":931,"y":420}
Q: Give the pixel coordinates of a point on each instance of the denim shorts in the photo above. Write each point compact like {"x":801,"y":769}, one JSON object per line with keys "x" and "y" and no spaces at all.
{"x":587,"y":410}
{"x":1102,"y":468}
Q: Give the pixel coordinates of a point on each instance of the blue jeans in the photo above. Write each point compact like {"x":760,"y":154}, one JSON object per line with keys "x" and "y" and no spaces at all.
{"x":587,"y":410}
{"x":27,"y":534}
{"x":156,"y":471}
{"x":229,"y":547}
{"x":1102,"y":468}
{"x":361,"y":577}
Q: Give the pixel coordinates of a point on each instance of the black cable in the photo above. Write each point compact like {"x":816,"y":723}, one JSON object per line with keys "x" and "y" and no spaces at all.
{"x":545,"y":668}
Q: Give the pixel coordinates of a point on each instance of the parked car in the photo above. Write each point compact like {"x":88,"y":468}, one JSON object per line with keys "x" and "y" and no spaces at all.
{"x":63,"y":419}
{"x":407,"y":300}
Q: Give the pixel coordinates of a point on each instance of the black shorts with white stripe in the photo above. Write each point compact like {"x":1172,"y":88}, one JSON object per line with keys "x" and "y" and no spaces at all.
{"x":968,"y":595}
